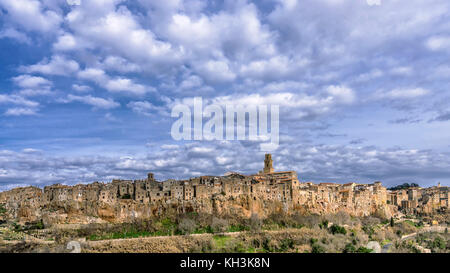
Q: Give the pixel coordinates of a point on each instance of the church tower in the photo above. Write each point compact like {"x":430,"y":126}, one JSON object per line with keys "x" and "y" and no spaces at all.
{"x":268,"y":168}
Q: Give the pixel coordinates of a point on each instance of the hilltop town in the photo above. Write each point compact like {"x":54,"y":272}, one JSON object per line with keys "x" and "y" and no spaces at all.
{"x":266,"y":192}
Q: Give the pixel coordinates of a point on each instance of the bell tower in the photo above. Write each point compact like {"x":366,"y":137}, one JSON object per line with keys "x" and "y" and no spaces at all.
{"x":268,"y":168}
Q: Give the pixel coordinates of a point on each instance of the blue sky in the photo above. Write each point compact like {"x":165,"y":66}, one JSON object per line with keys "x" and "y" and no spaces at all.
{"x":86,"y":89}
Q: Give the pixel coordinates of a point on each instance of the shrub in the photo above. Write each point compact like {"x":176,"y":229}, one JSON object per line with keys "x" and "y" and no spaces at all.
{"x":363,"y":250}
{"x":438,"y":243}
{"x":255,"y":222}
{"x":336,"y":229}
{"x":286,"y":244}
{"x":349,"y":248}
{"x":2,"y":209}
{"x":324,"y":224}
{"x":340,"y":218}
{"x":219,"y":225}
{"x":316,"y":248}
{"x":187,"y":226}
{"x":236,"y":228}
{"x":309,"y":221}
{"x":370,"y":221}
{"x":406,"y":227}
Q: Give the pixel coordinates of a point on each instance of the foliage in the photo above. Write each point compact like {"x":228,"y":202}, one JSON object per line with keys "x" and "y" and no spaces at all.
{"x":404,"y":186}
{"x":236,"y":228}
{"x":221,"y":240}
{"x":255,"y":222}
{"x":438,"y":242}
{"x":219,"y":225}
{"x":316,"y":248}
{"x":349,"y":248}
{"x":187,"y":226}
{"x":28,"y":226}
{"x":2,"y":209}
{"x":336,"y":229}
{"x":126,"y":196}
{"x":324,"y":224}
{"x":363,"y":250}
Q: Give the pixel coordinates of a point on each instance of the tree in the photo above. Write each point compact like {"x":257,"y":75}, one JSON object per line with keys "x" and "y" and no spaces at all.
{"x":255,"y":222}
{"x":404,"y":186}
{"x":392,"y":221}
{"x":187,"y":226}
{"x":219,"y":225}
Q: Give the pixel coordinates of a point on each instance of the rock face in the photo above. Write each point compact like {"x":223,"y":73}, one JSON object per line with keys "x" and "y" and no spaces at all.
{"x":234,"y":194}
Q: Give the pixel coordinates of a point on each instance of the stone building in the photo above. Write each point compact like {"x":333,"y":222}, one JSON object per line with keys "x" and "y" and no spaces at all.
{"x":263,"y":193}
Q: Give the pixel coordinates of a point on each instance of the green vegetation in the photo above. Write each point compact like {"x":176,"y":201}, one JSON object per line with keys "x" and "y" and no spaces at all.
{"x":438,"y":242}
{"x":220,"y":241}
{"x":207,"y":229}
{"x":363,"y":250}
{"x":336,"y":229}
{"x":187,"y":226}
{"x":276,"y":233}
{"x":237,"y":228}
{"x":404,"y":186}
{"x":414,"y":224}
{"x":121,"y":235}
{"x":324,"y":224}
{"x":317,"y":249}
{"x":2,"y":209}
{"x":28,"y":226}
{"x":125,"y":196}
{"x":350,"y":248}
{"x":161,"y":227}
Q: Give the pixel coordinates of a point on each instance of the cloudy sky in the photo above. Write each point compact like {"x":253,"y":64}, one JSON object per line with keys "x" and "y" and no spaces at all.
{"x":87,"y":87}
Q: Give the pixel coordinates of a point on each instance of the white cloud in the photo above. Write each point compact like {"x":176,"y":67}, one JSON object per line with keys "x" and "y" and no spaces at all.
{"x":27,"y":81}
{"x":216,"y":71}
{"x":126,"y":85}
{"x":192,"y":81}
{"x":14,"y":34}
{"x":341,"y":94}
{"x":402,"y":71}
{"x":170,"y":146}
{"x":94,"y":74}
{"x":31,"y":15}
{"x":146,"y":108}
{"x":403,"y":93}
{"x":15,"y":99}
{"x":30,"y":92}
{"x":120,"y":64}
{"x":118,"y":84}
{"x":66,"y":42}
{"x":58,"y":65}
{"x":81,"y":88}
{"x":96,"y":102}
{"x":438,"y":43}
{"x":20,"y":112}
{"x":276,"y":67}
{"x":119,"y":30}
